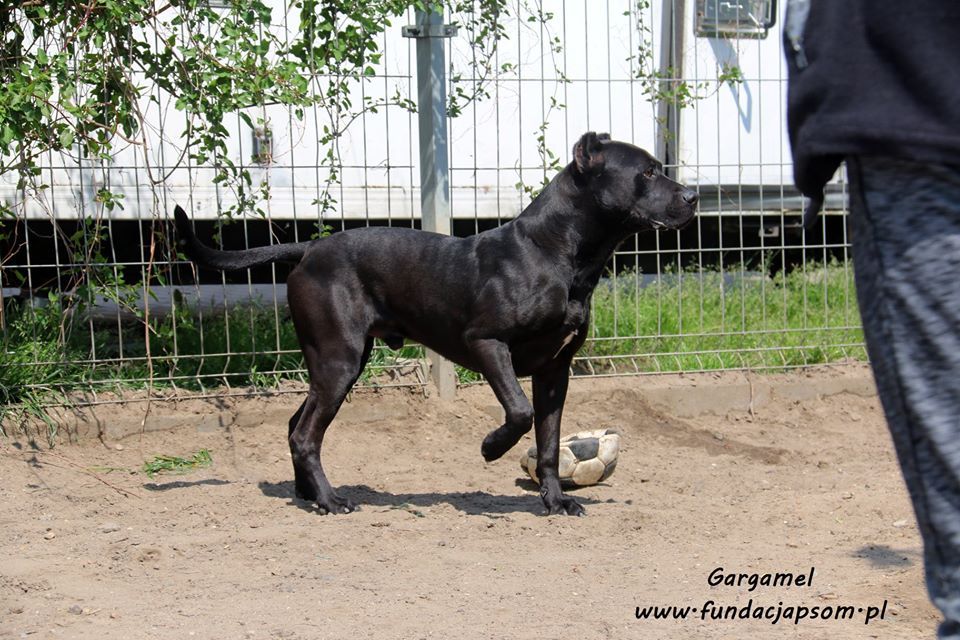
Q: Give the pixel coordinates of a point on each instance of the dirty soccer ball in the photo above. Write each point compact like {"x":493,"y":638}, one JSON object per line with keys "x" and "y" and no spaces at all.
{"x":586,"y":458}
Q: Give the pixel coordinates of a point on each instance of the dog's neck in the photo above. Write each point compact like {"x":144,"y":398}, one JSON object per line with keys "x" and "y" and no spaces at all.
{"x":579,"y":232}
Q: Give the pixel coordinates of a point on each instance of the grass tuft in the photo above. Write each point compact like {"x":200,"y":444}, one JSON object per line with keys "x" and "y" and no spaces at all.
{"x":177,"y":465}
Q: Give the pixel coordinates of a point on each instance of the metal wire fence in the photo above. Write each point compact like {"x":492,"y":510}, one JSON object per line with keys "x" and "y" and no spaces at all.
{"x":742,"y":287}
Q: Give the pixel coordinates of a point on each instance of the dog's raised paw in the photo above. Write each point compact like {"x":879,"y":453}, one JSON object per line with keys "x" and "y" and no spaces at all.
{"x":497,"y":443}
{"x":489,"y":451}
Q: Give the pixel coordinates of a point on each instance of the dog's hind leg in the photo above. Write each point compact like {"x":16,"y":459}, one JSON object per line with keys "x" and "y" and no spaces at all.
{"x":335,"y":349}
{"x":302,"y":487}
{"x":329,"y":385}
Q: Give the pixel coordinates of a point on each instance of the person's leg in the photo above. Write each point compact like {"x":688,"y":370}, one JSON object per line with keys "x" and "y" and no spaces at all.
{"x":906,"y":250}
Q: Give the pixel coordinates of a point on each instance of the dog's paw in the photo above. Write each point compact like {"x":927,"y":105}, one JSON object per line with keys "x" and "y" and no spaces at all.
{"x":496,"y":444}
{"x":491,"y":449}
{"x":337,"y":509}
{"x":566,"y":506}
{"x":336,"y":505}
{"x":306,"y":494}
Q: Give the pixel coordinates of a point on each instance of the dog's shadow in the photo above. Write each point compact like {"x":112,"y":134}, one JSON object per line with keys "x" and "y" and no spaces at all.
{"x":474,"y":503}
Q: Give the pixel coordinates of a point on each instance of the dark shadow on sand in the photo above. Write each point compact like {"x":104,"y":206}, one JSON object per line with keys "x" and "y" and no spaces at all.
{"x":183,"y":484}
{"x":475,"y":503}
{"x":884,"y":557}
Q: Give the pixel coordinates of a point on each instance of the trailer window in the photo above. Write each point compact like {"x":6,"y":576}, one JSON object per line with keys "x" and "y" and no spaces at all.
{"x":735,"y":18}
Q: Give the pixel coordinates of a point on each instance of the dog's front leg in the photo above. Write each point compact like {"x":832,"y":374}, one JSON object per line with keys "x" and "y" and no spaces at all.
{"x":549,"y":394}
{"x":497,"y":365}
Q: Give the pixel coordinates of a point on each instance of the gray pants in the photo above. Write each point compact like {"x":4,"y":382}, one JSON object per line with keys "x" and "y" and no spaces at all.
{"x":906,"y":251}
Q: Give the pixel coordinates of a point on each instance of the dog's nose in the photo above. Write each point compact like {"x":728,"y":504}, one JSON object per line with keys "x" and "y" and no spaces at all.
{"x":691,"y":197}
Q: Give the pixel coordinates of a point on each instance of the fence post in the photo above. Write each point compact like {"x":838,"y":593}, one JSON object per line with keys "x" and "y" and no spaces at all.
{"x":671,"y":71}
{"x":434,"y":168}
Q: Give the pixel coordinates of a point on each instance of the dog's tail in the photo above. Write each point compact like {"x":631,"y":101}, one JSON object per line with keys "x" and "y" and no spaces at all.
{"x":230,"y":260}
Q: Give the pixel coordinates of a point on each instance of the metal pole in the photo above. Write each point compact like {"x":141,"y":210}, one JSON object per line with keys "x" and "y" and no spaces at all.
{"x":671,"y":70}
{"x":434,"y":167}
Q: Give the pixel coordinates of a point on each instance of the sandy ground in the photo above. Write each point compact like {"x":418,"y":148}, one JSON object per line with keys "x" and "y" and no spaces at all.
{"x":446,"y":546}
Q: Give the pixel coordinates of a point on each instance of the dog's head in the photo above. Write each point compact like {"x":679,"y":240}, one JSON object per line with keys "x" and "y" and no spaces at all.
{"x":629,"y":185}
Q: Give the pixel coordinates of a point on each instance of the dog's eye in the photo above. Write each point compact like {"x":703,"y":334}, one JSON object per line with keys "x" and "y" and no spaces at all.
{"x":650,"y":172}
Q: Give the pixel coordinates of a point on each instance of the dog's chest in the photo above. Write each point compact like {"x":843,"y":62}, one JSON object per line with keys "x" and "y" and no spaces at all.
{"x":567,"y":340}
{"x":551,"y":333}
{"x":574,"y":318}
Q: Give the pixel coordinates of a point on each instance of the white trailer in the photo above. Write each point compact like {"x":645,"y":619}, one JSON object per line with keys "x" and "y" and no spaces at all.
{"x":728,"y":139}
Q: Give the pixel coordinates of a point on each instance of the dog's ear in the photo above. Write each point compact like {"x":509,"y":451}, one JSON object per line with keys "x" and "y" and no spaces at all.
{"x":587,"y":154}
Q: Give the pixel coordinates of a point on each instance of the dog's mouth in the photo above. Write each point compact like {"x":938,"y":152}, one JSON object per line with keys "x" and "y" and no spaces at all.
{"x":658,"y":225}
{"x":678,"y":224}
{"x":686,"y":222}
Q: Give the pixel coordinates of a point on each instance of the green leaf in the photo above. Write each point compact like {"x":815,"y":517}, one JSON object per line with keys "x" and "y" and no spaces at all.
{"x":66,"y":138}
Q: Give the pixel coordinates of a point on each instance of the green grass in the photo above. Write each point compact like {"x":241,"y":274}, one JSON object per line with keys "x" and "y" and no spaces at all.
{"x":177,"y":465}
{"x":711,"y":320}
{"x":33,"y":372}
{"x":240,"y":346}
{"x":690,"y":321}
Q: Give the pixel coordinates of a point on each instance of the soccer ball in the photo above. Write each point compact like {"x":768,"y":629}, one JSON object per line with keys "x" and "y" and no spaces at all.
{"x":586,"y":458}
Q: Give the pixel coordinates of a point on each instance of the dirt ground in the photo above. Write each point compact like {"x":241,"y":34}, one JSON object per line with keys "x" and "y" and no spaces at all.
{"x":447,"y":546}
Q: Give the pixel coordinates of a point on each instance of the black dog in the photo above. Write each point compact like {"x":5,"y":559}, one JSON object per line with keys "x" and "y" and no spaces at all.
{"x":512,"y":301}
